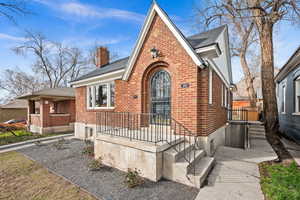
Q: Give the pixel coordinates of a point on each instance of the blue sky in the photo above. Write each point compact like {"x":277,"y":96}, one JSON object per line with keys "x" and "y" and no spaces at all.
{"x":114,"y":23}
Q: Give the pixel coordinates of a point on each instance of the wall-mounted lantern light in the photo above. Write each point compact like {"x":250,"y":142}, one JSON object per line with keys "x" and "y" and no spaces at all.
{"x":154,"y":52}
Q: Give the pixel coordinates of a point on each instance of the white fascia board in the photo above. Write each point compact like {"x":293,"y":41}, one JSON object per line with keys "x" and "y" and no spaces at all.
{"x":213,"y":47}
{"x":153,"y":10}
{"x":225,"y":34}
{"x":102,"y":78}
{"x":216,"y":69}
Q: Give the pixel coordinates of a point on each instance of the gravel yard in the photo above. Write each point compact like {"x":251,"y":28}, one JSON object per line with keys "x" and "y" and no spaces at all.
{"x":106,"y":184}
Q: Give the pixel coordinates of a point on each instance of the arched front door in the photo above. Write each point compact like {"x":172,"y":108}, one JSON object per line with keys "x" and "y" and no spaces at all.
{"x":161,"y":93}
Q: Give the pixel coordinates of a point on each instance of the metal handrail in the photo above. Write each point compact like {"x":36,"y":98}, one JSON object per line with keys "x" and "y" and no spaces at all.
{"x":148,"y":127}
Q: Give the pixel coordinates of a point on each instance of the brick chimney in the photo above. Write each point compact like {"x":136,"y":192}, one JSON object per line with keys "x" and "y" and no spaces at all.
{"x":102,"y":56}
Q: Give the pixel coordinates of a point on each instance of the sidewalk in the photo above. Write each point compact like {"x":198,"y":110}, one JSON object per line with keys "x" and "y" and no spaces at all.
{"x":293,"y":149}
{"x":236,"y":174}
{"x":28,"y":143}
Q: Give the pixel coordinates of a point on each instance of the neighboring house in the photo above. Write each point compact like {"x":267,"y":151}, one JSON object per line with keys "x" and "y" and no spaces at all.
{"x":51,"y":110}
{"x":288,"y":96}
{"x":183,"y":82}
{"x":15,"y":109}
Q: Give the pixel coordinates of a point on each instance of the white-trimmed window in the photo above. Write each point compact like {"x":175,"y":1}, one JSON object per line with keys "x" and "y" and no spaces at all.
{"x":225,"y":92}
{"x":222,"y":95}
{"x":297,"y":94}
{"x":101,"y":96}
{"x":283,"y":96}
{"x":210,"y":92}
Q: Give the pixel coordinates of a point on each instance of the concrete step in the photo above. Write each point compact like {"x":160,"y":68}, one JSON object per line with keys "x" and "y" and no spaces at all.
{"x":177,"y":170}
{"x":199,"y":174}
{"x":181,"y":149}
{"x":258,"y":129}
{"x":193,"y":156}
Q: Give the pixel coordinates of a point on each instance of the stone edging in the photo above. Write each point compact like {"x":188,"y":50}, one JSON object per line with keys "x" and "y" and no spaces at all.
{"x":3,"y":147}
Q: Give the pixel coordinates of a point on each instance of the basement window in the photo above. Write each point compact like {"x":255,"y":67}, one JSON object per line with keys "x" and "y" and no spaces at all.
{"x":101,"y":96}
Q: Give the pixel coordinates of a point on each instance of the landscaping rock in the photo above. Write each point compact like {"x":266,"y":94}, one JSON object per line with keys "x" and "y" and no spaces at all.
{"x":107,"y":183}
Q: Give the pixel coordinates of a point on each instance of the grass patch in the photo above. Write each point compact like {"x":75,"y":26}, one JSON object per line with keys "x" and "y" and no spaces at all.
{"x":280,"y":182}
{"x":21,"y":178}
{"x":22,"y":135}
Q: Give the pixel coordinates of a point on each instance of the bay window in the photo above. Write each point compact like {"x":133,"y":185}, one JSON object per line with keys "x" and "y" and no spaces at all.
{"x":297,"y":94}
{"x":101,"y":96}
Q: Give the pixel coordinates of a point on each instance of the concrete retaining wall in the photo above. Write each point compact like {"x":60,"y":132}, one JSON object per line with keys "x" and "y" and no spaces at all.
{"x":121,"y":153}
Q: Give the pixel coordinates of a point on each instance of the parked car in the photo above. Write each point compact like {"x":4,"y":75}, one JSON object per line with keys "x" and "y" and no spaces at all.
{"x":13,"y":121}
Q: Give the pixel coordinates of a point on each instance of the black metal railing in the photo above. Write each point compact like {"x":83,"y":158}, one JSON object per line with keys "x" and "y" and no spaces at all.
{"x":237,"y":115}
{"x":148,"y":127}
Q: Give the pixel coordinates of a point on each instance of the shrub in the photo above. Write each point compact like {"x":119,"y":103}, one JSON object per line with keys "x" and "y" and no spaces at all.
{"x":133,"y":178}
{"x":95,"y":164}
{"x":88,"y":142}
{"x":89,"y":150}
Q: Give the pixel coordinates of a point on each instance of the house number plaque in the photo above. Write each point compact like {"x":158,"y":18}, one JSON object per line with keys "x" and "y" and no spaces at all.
{"x":185,"y":85}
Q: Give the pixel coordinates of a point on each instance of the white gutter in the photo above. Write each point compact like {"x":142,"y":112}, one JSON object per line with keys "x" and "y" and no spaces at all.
{"x":95,"y":78}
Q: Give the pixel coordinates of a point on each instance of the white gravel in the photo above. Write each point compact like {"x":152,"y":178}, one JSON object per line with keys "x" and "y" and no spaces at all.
{"x":106,"y":184}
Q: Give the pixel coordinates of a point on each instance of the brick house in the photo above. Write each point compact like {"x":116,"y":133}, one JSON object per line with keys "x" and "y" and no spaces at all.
{"x":51,"y":110}
{"x":182,"y":82}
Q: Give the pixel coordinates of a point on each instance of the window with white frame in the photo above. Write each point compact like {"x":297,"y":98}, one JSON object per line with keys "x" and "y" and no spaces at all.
{"x":210,"y":86}
{"x":101,"y":96}
{"x":283,"y":99}
{"x":297,"y":94}
{"x":222,"y":95}
{"x":225,"y":92}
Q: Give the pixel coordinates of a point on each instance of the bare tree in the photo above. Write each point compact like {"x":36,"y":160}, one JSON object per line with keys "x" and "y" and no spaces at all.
{"x":242,"y":32}
{"x":55,"y":62}
{"x":17,"y":82}
{"x":11,"y":8}
{"x":266,"y":14}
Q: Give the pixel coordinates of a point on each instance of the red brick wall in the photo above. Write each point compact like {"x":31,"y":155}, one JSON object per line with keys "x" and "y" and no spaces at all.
{"x":35,"y":120}
{"x":189,"y":105}
{"x":217,"y":114}
{"x":56,"y":120}
{"x":83,"y":114}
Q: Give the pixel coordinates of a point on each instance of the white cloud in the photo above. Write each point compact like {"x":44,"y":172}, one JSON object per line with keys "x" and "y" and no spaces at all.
{"x":4,"y":36}
{"x":77,"y":9}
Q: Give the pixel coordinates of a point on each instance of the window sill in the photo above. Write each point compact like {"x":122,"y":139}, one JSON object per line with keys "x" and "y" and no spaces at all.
{"x":283,"y":113}
{"x":101,"y":108}
{"x":296,"y":113}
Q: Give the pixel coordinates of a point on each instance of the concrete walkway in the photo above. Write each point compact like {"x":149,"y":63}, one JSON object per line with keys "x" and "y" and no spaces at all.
{"x":236,"y":174}
{"x":293,"y":148}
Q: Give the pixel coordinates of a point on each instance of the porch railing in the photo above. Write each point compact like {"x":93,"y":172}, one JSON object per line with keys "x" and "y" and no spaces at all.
{"x":237,"y":115}
{"x":149,"y":127}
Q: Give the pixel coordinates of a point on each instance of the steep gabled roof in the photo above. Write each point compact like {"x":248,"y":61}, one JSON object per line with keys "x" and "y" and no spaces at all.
{"x":205,"y":38}
{"x":155,"y":9}
{"x":122,"y":68}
